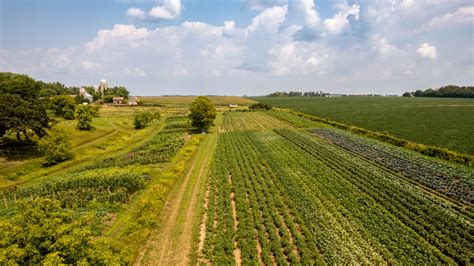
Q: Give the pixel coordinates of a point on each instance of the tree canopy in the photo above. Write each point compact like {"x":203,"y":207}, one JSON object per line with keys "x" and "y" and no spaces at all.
{"x":450,"y":91}
{"x":202,"y":113}
{"x":41,"y":232}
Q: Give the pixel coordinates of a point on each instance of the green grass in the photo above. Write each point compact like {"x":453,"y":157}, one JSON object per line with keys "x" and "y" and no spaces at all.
{"x":433,"y":121}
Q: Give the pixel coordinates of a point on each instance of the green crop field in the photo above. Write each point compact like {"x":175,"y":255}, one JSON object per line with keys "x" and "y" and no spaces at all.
{"x":279,"y":195}
{"x":439,"y":122}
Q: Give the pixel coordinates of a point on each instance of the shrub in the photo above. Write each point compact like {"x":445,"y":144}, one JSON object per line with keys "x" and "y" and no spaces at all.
{"x":56,"y":148}
{"x":142,"y":119}
{"x":84,"y":115}
{"x":261,"y":106}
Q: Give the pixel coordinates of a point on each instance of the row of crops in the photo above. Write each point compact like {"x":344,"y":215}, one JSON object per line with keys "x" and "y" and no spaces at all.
{"x":160,"y":149}
{"x":287,"y":196}
{"x":454,"y":181}
{"x":240,"y":121}
{"x":105,"y":183}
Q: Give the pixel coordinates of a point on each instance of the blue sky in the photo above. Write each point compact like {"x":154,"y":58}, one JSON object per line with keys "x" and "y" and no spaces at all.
{"x":249,"y":47}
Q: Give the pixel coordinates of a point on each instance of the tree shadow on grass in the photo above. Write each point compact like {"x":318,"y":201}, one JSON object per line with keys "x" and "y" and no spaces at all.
{"x":14,"y":150}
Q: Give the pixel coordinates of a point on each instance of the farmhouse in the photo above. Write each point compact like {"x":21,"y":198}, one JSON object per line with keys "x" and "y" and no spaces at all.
{"x":233,"y":105}
{"x":117,"y":100}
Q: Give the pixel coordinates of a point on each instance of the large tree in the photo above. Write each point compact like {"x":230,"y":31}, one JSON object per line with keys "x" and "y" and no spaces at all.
{"x":21,"y":110}
{"x":202,"y":113}
{"x":22,"y":117}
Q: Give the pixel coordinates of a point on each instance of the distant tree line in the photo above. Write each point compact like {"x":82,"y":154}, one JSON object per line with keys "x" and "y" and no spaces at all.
{"x":297,"y":94}
{"x":451,"y":91}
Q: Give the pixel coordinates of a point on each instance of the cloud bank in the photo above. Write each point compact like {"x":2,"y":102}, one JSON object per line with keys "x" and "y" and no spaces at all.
{"x":363,"y":47}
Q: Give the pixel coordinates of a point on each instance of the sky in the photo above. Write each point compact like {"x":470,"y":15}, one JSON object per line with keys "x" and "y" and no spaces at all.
{"x":248,"y":47}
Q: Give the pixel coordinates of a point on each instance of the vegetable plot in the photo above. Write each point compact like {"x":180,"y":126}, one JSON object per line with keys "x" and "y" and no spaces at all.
{"x":288,"y":196}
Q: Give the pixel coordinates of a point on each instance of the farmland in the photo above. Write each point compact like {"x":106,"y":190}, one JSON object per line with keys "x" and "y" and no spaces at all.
{"x":287,"y":195}
{"x":434,"y":121}
{"x":261,"y":187}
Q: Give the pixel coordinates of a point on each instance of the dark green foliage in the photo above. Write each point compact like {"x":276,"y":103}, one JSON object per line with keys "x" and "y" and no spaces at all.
{"x":84,"y":115}
{"x":63,"y":106}
{"x":142,"y":119}
{"x":407,"y":94}
{"x":202,"y":113}
{"x":117,"y":91}
{"x":41,"y":232}
{"x":22,"y":116}
{"x":451,"y":91}
{"x":55,"y":147}
{"x":442,"y":122}
{"x":431,"y":151}
{"x":260,"y":106}
{"x":21,"y":85}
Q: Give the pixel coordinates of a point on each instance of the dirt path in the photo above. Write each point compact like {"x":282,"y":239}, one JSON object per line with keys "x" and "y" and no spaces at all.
{"x":171,"y":244}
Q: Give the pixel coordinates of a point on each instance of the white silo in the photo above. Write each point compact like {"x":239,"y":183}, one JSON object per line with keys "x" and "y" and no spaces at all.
{"x":102,"y":87}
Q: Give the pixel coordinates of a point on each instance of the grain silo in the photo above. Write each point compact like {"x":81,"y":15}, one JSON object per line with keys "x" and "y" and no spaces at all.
{"x":102,"y":87}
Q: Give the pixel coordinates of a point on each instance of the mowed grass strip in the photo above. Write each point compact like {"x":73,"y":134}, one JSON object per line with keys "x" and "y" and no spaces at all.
{"x":439,"y":122}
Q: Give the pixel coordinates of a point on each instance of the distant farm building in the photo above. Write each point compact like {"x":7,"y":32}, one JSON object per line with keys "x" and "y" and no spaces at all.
{"x":101,"y":88}
{"x":117,"y":100}
{"x":83,"y":93}
{"x":133,"y":101}
{"x":233,"y":105}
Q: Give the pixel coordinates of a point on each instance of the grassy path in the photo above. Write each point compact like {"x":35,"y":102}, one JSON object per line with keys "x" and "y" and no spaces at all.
{"x":172,"y":243}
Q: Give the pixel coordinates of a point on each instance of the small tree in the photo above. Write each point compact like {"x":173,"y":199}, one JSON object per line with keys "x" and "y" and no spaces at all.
{"x":202,"y":113}
{"x":142,"y":119}
{"x":56,"y":148}
{"x":84,"y":115}
{"x":63,"y":106}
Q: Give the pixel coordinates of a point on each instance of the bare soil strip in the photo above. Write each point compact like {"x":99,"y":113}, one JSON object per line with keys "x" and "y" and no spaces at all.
{"x":171,"y":243}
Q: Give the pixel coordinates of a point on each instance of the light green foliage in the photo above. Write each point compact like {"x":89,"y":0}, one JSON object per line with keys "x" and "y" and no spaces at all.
{"x":84,"y":115}
{"x":43,"y":233}
{"x":63,"y":106}
{"x":143,"y":118}
{"x":202,"y":113}
{"x":56,"y":147}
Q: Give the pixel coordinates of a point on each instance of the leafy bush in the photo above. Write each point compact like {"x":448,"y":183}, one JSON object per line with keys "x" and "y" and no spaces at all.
{"x":43,"y":233}
{"x":84,"y":115}
{"x":142,"y":119}
{"x":56,"y":148}
{"x":264,"y":106}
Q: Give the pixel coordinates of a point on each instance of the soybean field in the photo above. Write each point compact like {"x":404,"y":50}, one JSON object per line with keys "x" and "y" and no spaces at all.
{"x":442,"y":122}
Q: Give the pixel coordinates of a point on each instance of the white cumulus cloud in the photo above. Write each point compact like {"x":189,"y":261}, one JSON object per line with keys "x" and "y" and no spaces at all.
{"x":135,"y":12}
{"x":169,"y":9}
{"x":339,"y":23}
{"x":427,"y":51}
